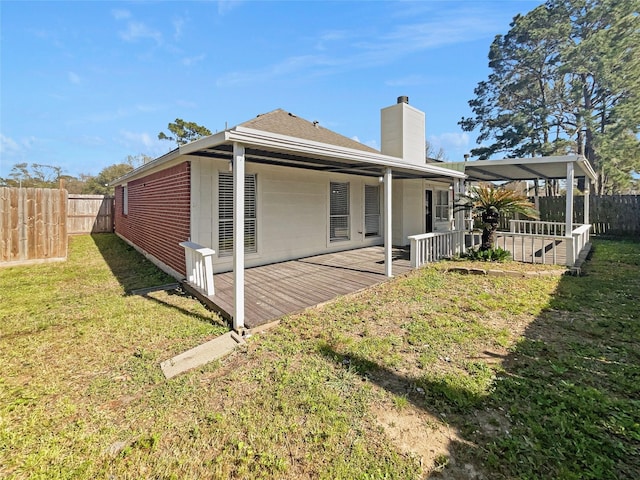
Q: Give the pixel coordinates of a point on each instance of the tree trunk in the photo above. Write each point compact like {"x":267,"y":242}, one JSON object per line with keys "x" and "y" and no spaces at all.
{"x":491,"y":223}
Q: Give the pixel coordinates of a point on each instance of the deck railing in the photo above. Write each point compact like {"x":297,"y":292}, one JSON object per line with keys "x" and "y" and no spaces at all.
{"x":581,"y":237}
{"x":199,"y":263}
{"x":528,"y":241}
{"x":431,"y":247}
{"x":535,"y":248}
{"x":536,"y":227}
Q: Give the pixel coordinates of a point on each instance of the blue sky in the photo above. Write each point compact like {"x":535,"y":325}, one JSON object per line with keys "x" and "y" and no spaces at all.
{"x":85,"y":84}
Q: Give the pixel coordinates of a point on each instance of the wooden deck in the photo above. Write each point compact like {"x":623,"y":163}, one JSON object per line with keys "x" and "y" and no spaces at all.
{"x":275,"y":290}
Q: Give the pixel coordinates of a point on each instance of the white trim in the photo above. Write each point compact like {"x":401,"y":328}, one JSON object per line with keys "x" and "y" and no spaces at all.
{"x":294,"y":144}
{"x":238,"y":236}
{"x":388,"y":226}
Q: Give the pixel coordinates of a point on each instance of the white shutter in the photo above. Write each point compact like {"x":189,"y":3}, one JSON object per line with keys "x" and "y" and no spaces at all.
{"x":371,"y":210}
{"x":225,"y":214}
{"x":339,"y":225}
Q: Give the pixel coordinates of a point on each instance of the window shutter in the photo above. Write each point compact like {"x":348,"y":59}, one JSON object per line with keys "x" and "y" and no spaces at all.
{"x":339,"y":228}
{"x":225,"y":214}
{"x":371,"y":210}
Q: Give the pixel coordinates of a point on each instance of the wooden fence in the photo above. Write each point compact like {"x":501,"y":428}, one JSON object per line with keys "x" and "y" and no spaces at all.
{"x":608,"y":214}
{"x":33,"y":225}
{"x":35,"y":222}
{"x":89,"y":214}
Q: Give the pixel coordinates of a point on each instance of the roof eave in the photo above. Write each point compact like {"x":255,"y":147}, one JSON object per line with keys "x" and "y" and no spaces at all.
{"x":200,"y":144}
{"x":294,"y":144}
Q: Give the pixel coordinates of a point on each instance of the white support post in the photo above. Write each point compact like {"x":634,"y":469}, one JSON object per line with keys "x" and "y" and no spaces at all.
{"x":569,"y":216}
{"x":388,"y":232}
{"x":587,"y":185}
{"x":459,"y":215}
{"x":238,"y":236}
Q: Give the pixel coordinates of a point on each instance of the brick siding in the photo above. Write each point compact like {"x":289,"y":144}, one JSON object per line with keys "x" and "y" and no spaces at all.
{"x":158,"y":214}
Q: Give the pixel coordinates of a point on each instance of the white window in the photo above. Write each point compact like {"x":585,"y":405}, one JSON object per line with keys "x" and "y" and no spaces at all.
{"x":442,"y":205}
{"x":339,"y":225}
{"x":225,"y":214}
{"x":371,"y":210}
{"x":125,"y":200}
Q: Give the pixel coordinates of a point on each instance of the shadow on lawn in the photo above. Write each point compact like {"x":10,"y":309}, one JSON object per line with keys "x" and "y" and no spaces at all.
{"x":131,"y":269}
{"x":134,"y":272}
{"x":566,"y":404}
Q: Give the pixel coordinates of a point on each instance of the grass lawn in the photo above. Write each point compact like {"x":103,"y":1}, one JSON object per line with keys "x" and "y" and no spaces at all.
{"x":433,"y":374}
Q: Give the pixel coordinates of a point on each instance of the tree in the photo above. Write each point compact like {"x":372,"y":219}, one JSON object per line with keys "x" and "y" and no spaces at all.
{"x":184,"y":132}
{"x":35,"y":175}
{"x":433,"y":153}
{"x":100,"y":184}
{"x":488,"y":203}
{"x":565,"y":79}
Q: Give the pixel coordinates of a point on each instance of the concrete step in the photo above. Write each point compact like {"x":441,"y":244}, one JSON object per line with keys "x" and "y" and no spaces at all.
{"x":202,"y":354}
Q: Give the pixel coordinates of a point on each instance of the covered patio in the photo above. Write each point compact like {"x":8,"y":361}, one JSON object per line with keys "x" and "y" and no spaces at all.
{"x":560,"y":243}
{"x":272,"y":291}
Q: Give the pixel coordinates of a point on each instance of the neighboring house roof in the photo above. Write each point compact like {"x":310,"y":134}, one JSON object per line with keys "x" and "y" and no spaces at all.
{"x":285,"y":123}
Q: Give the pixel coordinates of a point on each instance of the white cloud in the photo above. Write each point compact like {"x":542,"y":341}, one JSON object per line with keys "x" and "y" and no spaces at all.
{"x":178,"y":25}
{"x":190,"y":61}
{"x":143,"y":139}
{"x":450,"y":140}
{"x":144,"y":142}
{"x":74,"y":78}
{"x":340,"y":51}
{"x":225,"y":6}
{"x":372,"y":144}
{"x":120,"y":14}
{"x":16,"y":150}
{"x":408,"y":81}
{"x":139,"y":31}
{"x":8,"y":146}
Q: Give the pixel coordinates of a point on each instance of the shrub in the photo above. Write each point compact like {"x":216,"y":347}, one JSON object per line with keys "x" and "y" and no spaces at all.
{"x":492,"y":255}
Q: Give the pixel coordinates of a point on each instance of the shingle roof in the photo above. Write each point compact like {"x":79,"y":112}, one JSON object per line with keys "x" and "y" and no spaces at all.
{"x":285,"y":123}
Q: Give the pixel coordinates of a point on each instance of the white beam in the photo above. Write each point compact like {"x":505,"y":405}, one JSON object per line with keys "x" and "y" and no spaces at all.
{"x":238,"y":236}
{"x":587,"y":188}
{"x":569,"y":215}
{"x":388,"y":228}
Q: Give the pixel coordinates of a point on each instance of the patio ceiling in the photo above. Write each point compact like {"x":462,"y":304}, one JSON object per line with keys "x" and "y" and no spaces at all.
{"x":546,"y":168}
{"x":275,"y":149}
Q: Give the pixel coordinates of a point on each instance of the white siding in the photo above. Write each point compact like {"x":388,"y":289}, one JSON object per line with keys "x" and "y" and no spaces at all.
{"x":293,"y":211}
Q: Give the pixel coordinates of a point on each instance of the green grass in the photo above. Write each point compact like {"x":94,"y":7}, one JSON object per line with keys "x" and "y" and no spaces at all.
{"x":503,"y":376}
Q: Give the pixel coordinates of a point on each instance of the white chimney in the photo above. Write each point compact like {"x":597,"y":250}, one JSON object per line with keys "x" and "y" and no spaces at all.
{"x":403,"y":132}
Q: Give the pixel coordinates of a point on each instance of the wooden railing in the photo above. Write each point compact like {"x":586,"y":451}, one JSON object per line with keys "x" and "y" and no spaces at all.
{"x":581,"y":237}
{"x":536,"y":227}
{"x":528,"y":241}
{"x":431,"y":247}
{"x":199,"y":264}
{"x":535,"y":248}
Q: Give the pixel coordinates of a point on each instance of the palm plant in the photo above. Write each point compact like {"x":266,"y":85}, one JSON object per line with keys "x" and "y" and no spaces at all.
{"x":489,"y":202}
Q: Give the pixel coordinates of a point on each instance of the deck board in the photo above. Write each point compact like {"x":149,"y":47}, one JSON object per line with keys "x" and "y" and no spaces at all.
{"x":272,"y":291}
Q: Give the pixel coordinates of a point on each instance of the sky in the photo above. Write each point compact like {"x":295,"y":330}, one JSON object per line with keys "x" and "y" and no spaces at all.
{"x":84,"y":84}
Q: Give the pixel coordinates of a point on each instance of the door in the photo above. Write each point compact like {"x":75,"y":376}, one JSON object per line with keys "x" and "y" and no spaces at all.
{"x":428,"y":211}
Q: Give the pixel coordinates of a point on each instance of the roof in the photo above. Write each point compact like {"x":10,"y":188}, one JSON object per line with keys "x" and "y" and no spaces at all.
{"x":285,"y":123}
{"x":281,"y":138}
{"x":525,"y":168}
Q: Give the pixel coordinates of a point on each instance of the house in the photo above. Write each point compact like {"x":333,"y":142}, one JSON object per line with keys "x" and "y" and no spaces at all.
{"x":307,"y":191}
{"x":278,"y":188}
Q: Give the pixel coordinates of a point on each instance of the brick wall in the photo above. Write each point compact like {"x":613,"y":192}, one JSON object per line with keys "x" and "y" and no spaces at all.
{"x":158,"y":214}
